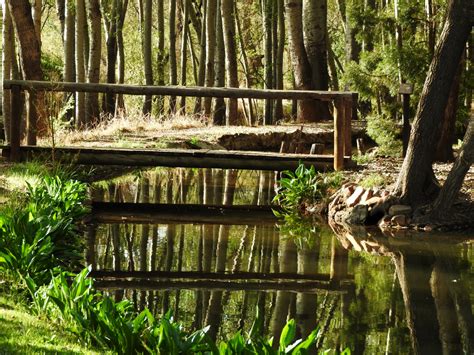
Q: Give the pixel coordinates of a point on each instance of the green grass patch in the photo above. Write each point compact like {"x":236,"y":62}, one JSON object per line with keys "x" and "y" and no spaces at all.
{"x":373,"y":180}
{"x":22,"y":333}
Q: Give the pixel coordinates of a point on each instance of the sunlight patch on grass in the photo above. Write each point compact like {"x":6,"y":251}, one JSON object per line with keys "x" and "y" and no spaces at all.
{"x":21,"y":333}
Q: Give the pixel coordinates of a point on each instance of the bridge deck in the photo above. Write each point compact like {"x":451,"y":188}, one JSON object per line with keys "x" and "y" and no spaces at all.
{"x":186,"y":158}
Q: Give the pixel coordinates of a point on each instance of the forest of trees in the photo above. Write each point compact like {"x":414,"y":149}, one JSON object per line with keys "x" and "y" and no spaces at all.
{"x":366,"y":46}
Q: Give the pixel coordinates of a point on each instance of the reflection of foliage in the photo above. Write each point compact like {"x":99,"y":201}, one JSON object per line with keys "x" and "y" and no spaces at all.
{"x":303,"y":230}
{"x":305,"y":186}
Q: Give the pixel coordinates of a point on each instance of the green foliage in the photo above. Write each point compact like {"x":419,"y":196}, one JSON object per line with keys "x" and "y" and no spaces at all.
{"x":41,"y":233}
{"x":384,"y":131}
{"x":305,"y":185}
{"x":373,"y":180}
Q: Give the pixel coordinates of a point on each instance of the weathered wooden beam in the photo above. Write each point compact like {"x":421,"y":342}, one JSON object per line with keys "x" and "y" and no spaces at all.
{"x":202,"y":275}
{"x":15,"y":123}
{"x":236,"y":93}
{"x":186,"y":158}
{"x":217,"y":285}
{"x":150,"y":213}
{"x":348,"y":110}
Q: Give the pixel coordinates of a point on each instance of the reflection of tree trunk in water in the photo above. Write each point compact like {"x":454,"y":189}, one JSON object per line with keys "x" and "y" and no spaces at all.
{"x":283,"y":299}
{"x":414,"y":272}
{"x":144,"y":234}
{"x":263,"y":193}
{"x":214,"y":312}
{"x":306,"y":304}
{"x":91,"y":235}
{"x":339,"y":261}
{"x":253,"y":251}
{"x":448,"y":325}
{"x":105,"y":260}
{"x":453,"y":304}
{"x":170,"y":235}
{"x":180,"y":268}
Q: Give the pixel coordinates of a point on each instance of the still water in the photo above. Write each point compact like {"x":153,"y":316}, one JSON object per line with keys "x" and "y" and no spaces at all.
{"x":372,"y":293}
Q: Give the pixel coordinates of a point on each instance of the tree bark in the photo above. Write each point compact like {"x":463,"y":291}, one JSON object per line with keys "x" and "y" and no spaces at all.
{"x":111,"y":45}
{"x":7,"y":58}
{"x":31,"y":63}
{"x":210,"y":50}
{"x":218,"y":116}
{"x":145,"y":20}
{"x":268,"y":20}
{"x":279,"y":58}
{"x":161,"y":57}
{"x":299,"y":58}
{"x":316,"y":44}
{"x":202,"y":56}
{"x":172,"y":53}
{"x":415,"y":181}
{"x":95,"y":50}
{"x":184,"y":55}
{"x":456,"y":176}
{"x":122,"y":7}
{"x":228,"y":24}
{"x":80,"y":64}
{"x":61,"y":12}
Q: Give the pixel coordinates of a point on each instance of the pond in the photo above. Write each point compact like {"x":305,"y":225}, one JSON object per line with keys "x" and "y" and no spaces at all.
{"x":372,"y":293}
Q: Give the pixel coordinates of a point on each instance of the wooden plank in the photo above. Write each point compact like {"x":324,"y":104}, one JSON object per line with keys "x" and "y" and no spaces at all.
{"x":202,"y":275}
{"x":185,"y":158}
{"x":15,"y":123}
{"x":236,"y":93}
{"x":217,"y":285}
{"x":150,"y":213}
{"x":339,"y":117}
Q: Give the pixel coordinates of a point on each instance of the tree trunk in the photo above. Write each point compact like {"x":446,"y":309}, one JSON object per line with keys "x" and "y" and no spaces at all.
{"x":452,"y":186}
{"x":218,"y":116}
{"x":31,"y":63}
{"x":80,"y":65}
{"x":315,"y":29}
{"x":122,"y":7}
{"x":70,"y":42}
{"x":37,"y":12}
{"x":145,"y":20}
{"x":268,"y":57}
{"x":111,"y":45}
{"x":8,"y":56}
{"x":444,"y":148}
{"x":228,"y":23}
{"x":95,"y":48}
{"x":61,"y":12}
{"x":184,"y":55}
{"x":279,"y":58}
{"x":161,"y":57}
{"x":210,"y":50}
{"x":416,"y":176}
{"x":202,"y":56}
{"x":172,"y":56}
{"x":299,"y":58}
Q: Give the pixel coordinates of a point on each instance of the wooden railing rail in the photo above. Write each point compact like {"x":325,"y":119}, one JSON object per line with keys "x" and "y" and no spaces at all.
{"x":343,"y":102}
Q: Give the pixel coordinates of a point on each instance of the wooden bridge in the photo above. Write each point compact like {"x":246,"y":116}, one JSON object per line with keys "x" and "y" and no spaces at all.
{"x":343,"y":104}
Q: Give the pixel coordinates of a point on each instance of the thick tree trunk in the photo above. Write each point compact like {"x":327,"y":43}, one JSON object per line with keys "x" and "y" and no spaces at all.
{"x":279,"y":58}
{"x":456,"y":176}
{"x":444,"y":148}
{"x":95,"y":50}
{"x":31,"y":63}
{"x":299,"y":58}
{"x":145,"y":17}
{"x":416,"y":176}
{"x":316,"y":43}
{"x":228,"y":24}
{"x":202,"y":57}
{"x":122,"y":7}
{"x":111,"y":45}
{"x":61,"y":12}
{"x":69,"y":42}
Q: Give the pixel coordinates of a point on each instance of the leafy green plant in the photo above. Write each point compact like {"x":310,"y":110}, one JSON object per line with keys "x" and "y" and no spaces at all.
{"x":305,"y":185}
{"x":384,"y":131}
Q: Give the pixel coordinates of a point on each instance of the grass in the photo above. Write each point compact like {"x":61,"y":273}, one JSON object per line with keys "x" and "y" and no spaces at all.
{"x":22,"y":333}
{"x":373,"y":180}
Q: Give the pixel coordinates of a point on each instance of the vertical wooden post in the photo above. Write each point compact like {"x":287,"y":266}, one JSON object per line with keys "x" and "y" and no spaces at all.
{"x":32,"y":117}
{"x":348,"y":113}
{"x":338,"y":134}
{"x":15,"y":123}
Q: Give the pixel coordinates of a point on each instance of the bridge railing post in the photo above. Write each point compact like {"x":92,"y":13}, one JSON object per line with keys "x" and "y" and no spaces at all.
{"x":339,"y":117}
{"x":15,"y":123}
